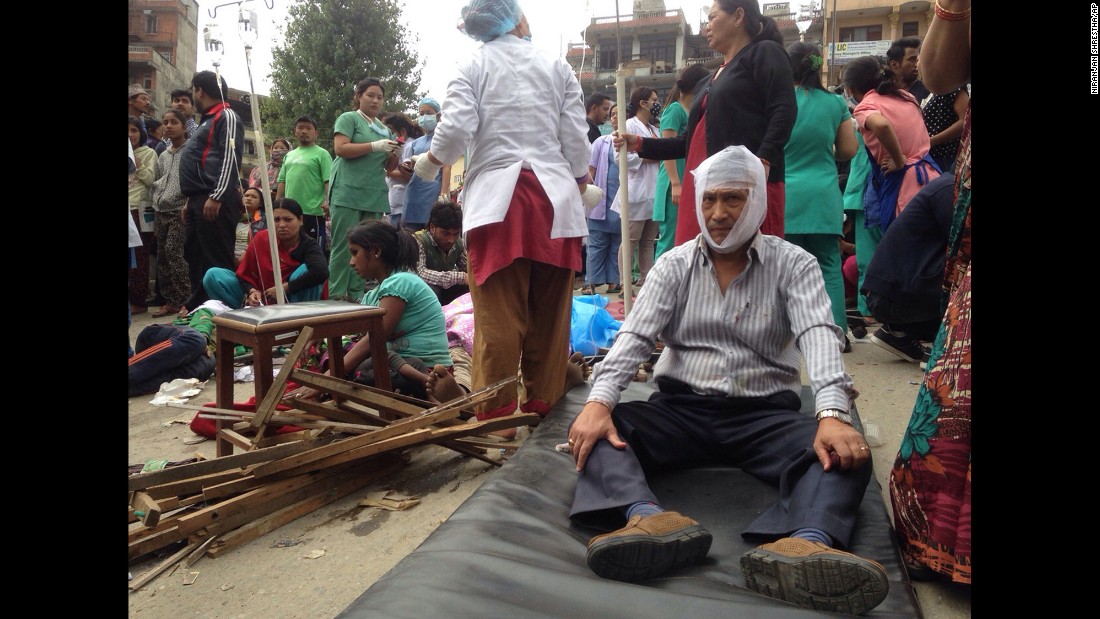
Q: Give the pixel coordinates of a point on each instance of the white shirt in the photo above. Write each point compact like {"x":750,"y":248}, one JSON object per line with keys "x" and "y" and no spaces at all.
{"x":641,"y":177}
{"x":514,"y":107}
{"x":745,"y":343}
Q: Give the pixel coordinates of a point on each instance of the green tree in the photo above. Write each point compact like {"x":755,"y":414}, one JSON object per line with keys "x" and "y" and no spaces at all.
{"x":328,"y":47}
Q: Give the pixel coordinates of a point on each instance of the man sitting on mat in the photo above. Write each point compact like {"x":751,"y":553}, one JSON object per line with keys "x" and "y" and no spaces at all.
{"x":734,"y":308}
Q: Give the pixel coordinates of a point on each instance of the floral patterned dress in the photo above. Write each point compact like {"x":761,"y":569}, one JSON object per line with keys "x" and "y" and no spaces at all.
{"x":930,"y":481}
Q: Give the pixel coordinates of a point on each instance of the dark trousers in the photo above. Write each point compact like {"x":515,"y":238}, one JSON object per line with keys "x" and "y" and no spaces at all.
{"x":314,"y":225}
{"x":766,"y":437}
{"x":208,"y":244}
{"x":446,"y":295}
{"x":165,"y":353}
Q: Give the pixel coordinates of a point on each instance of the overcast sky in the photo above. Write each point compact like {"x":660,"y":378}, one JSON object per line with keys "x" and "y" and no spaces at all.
{"x":554,"y":24}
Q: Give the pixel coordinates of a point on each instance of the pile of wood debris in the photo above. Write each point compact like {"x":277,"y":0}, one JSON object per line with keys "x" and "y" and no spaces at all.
{"x":362,"y":435}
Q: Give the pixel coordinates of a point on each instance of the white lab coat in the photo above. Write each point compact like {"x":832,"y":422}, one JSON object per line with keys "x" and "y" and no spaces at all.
{"x":641,"y":178}
{"x":513,"y":106}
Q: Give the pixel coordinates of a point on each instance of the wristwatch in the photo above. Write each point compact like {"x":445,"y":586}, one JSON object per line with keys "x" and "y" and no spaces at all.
{"x":835,"y":414}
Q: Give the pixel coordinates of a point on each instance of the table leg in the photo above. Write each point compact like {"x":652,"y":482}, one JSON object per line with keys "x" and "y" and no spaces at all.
{"x":223,"y":375}
{"x":381,"y":357}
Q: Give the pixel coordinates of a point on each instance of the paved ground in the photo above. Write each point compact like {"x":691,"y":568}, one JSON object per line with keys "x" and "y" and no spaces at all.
{"x":271,"y":576}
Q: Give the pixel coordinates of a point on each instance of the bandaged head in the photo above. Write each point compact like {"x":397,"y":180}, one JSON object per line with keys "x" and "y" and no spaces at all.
{"x":733,"y":167}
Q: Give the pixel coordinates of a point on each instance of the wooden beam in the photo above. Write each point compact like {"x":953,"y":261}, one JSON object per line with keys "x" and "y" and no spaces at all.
{"x":278,"y":388}
{"x":350,"y":481}
{"x":474,"y":453}
{"x":190,"y":485}
{"x":322,"y":483}
{"x":194,"y":557}
{"x":360,"y":394}
{"x":352,"y":449}
{"x":212,"y":514}
{"x":156,"y":541}
{"x":338,"y":412}
{"x":146,"y":508}
{"x":235,"y":438}
{"x":216,"y":465}
{"x":140,"y":581}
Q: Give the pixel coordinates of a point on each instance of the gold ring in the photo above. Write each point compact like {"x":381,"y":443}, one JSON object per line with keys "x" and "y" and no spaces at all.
{"x":863,"y":449}
{"x":572,"y":442}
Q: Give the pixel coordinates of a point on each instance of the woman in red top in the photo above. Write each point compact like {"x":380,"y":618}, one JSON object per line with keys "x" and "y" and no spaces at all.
{"x":301,"y":261}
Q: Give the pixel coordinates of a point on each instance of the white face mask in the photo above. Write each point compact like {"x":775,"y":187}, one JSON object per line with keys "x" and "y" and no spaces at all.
{"x":427,"y":123}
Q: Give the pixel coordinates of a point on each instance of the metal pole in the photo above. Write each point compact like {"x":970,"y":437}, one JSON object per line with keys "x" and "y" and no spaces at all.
{"x":626,"y":257}
{"x":265,"y":183}
{"x":832,"y":51}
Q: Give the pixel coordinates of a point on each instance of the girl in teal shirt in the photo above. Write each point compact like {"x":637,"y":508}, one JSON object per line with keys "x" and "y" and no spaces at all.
{"x":414,"y":326}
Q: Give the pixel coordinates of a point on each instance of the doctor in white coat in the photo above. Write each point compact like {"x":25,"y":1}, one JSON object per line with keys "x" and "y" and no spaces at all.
{"x":518,"y":115}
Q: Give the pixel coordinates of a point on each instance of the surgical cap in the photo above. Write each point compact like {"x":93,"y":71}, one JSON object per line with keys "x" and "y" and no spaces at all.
{"x":432,"y":102}
{"x":734,"y":167}
{"x":486,"y":20}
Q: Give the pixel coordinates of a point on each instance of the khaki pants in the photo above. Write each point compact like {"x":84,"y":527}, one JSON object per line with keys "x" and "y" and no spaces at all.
{"x":521,"y":317}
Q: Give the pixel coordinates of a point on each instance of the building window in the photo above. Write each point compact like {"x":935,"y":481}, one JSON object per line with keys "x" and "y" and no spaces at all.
{"x":658,"y":50}
{"x":909,"y":29}
{"x":147,"y":81}
{"x":861,"y":33}
{"x":250,"y":147}
{"x":607,"y":59}
{"x":150,"y":24}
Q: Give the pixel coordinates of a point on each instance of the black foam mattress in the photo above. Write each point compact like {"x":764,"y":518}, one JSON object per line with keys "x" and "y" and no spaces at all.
{"x":510,"y":550}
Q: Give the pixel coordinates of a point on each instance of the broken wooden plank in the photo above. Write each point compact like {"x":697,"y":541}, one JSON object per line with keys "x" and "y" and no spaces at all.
{"x":338,"y":411}
{"x":477,"y":454}
{"x":275,"y":393}
{"x":311,"y":461}
{"x":236,"y":438}
{"x":146,"y":508}
{"x":155,"y":541}
{"x":223,"y":509}
{"x":323,"y":481}
{"x":191,"y":485}
{"x":194,"y":557}
{"x":216,"y":465}
{"x":140,"y":581}
{"x":350,"y":481}
{"x":360,"y":394}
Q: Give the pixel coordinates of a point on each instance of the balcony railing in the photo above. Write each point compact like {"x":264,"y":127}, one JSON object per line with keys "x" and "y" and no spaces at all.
{"x":628,"y":18}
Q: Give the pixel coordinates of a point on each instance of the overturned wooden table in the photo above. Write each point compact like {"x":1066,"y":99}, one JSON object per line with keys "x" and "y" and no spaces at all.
{"x":263,"y":328}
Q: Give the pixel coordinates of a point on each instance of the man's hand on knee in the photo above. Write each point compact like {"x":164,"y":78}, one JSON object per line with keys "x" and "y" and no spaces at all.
{"x":592,"y":425}
{"x":839,"y":445}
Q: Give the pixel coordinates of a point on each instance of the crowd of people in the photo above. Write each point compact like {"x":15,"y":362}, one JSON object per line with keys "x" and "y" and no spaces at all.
{"x":739,"y":226}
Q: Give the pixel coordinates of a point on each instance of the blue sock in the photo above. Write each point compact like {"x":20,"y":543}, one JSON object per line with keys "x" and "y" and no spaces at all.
{"x":814,"y":535}
{"x":643,"y":509}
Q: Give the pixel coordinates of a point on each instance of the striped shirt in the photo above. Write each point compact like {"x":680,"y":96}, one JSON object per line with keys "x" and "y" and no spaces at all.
{"x":745,"y":343}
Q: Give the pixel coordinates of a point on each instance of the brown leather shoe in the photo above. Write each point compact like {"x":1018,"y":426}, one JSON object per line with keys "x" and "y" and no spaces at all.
{"x":648,"y":547}
{"x":813,"y":575}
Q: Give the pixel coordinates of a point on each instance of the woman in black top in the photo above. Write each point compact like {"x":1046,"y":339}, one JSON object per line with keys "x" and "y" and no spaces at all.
{"x":753,"y":105}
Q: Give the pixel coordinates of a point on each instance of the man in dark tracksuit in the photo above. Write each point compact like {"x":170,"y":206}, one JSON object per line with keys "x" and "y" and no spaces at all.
{"x":209,"y":177}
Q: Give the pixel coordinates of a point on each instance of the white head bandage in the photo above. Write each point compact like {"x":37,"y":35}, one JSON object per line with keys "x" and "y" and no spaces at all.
{"x":734,"y":167}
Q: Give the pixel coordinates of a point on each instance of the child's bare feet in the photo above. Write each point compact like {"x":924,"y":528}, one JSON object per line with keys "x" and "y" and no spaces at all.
{"x":442,"y":386}
{"x":576,"y":371}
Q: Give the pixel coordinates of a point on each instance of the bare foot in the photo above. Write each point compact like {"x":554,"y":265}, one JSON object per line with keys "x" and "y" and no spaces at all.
{"x":576,"y":371}
{"x":442,"y":386}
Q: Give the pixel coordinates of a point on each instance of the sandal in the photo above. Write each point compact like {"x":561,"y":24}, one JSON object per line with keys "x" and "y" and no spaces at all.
{"x":614,"y":288}
{"x":165,"y":310}
{"x":588,"y":289}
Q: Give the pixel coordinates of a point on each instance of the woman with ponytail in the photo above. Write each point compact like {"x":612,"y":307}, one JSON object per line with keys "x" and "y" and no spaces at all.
{"x":823,"y":134}
{"x":895,"y":135}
